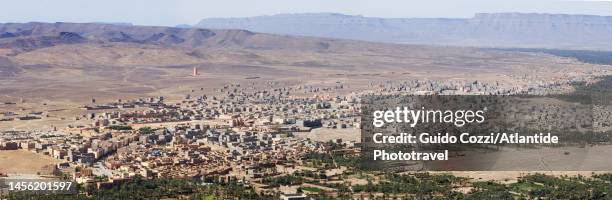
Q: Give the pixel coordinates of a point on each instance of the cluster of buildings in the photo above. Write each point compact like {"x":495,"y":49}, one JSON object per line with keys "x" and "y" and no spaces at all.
{"x":241,"y":131}
{"x":506,"y":85}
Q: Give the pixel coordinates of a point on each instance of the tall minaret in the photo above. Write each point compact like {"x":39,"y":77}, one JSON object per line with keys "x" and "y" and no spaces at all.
{"x":195,"y":71}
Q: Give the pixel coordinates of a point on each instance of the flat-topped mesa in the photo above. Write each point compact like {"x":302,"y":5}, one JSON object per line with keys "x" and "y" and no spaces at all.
{"x":541,"y":19}
{"x":525,"y":30}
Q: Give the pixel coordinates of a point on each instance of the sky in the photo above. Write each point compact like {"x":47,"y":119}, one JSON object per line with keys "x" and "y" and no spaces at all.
{"x":174,"y":12}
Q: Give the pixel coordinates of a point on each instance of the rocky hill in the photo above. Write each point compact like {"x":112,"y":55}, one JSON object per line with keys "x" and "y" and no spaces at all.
{"x":30,"y":36}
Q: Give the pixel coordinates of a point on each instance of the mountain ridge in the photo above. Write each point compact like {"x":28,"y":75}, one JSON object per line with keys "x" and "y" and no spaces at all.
{"x":525,"y":30}
{"x":36,"y":35}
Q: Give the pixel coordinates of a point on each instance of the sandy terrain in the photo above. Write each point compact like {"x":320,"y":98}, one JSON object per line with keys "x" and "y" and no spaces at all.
{"x":327,"y":134}
{"x":23,"y":162}
{"x":59,"y":79}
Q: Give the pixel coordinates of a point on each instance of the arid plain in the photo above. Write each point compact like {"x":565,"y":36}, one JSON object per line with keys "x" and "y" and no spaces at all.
{"x":55,"y":68}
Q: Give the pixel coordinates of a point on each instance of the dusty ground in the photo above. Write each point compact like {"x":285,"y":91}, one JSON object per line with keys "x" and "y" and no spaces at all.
{"x":23,"y":162}
{"x":59,"y":79}
{"x":327,"y":134}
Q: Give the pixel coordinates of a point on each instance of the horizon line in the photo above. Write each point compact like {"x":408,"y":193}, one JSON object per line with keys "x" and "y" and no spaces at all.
{"x":306,"y":13}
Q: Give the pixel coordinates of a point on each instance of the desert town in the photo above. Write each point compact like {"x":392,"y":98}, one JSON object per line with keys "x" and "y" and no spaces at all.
{"x":243,"y":132}
{"x":267,"y":100}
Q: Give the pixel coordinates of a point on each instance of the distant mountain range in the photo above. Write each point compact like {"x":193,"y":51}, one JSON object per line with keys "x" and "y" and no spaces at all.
{"x":84,"y":60}
{"x":35,"y":35}
{"x":524,"y":30}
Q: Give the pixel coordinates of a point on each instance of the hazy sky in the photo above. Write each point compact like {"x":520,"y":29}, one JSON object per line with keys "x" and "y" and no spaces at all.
{"x":173,"y":12}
